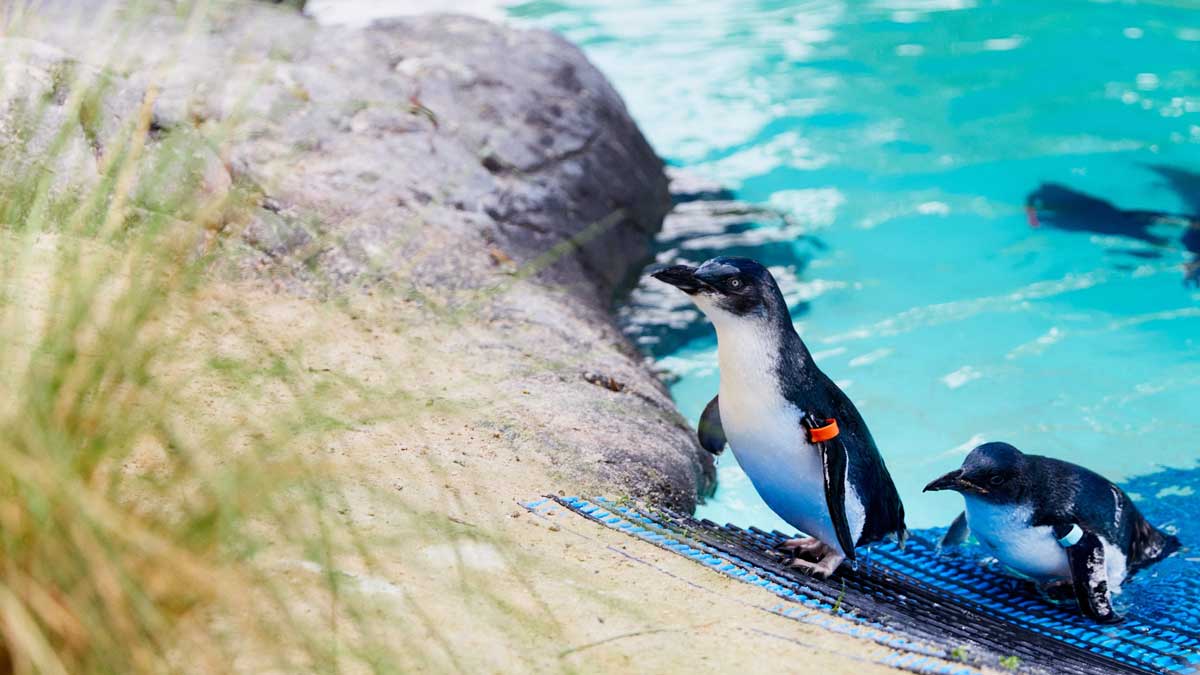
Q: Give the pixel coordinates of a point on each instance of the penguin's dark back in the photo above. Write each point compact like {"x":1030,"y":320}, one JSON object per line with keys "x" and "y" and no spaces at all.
{"x":1068,"y":489}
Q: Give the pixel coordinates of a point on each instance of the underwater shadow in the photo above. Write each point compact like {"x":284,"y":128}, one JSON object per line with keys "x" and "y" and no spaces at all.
{"x":1065,"y":208}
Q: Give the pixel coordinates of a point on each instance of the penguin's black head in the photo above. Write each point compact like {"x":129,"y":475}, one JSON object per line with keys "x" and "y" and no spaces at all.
{"x":995,"y":472}
{"x":727,"y":285}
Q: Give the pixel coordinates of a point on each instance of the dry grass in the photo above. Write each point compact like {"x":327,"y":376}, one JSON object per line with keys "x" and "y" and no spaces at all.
{"x":142,"y":520}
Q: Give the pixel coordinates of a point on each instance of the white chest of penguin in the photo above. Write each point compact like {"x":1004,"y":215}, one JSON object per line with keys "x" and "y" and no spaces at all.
{"x":765,"y":433}
{"x":1008,"y":534}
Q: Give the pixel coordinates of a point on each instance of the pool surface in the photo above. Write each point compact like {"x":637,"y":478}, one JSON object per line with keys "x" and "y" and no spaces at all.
{"x":901,"y":138}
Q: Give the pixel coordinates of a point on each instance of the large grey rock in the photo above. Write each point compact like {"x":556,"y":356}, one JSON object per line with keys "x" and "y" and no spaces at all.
{"x":479,"y":169}
{"x":504,"y":141}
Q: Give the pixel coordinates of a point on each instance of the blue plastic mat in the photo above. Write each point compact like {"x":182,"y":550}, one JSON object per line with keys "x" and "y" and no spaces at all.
{"x":948,"y":605}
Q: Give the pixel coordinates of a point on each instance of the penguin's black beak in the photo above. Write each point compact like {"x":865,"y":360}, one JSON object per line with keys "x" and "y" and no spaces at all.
{"x":955,"y":480}
{"x":682,"y":277}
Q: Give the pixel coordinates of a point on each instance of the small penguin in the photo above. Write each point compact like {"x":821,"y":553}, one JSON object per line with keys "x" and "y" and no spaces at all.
{"x":1062,"y":207}
{"x":1068,"y":209}
{"x":1054,"y":522}
{"x":798,"y":437}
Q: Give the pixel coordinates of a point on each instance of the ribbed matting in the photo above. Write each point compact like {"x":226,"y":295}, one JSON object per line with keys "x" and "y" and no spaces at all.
{"x":949,"y":601}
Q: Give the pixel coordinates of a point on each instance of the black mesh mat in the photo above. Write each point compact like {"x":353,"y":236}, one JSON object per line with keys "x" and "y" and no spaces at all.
{"x":946,"y":600}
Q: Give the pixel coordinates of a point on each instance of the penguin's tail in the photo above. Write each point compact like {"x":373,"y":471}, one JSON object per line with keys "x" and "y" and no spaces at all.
{"x":1150,"y":544}
{"x":1173,"y":544}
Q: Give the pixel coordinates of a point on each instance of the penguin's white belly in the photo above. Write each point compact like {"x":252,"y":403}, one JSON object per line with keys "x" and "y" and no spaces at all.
{"x":773,"y":449}
{"x":1007,"y":533}
{"x":763,"y":429}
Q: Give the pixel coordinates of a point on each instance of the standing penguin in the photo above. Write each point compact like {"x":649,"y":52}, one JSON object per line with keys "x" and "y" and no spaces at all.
{"x":795,"y":433}
{"x":1053,"y":522}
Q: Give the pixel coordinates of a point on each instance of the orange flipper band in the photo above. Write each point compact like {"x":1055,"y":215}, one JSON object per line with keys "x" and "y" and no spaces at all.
{"x":825,"y":433}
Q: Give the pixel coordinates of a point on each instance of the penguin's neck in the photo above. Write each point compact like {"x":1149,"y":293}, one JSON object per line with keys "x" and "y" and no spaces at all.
{"x":755,"y":355}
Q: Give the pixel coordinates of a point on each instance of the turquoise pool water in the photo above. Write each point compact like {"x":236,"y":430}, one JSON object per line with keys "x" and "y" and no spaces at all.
{"x":902,"y":136}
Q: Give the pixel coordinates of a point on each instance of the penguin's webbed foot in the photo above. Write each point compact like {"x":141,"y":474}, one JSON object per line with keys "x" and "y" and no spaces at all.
{"x":825,"y":564}
{"x":810,"y":548}
{"x":1057,"y":592}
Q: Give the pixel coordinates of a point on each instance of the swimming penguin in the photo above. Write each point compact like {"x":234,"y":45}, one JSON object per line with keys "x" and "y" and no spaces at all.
{"x":1067,"y":209}
{"x":795,"y":433}
{"x":1053,"y":522}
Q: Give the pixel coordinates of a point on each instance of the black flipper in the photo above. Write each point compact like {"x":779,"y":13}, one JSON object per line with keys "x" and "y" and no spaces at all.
{"x":958,"y":532}
{"x":1089,"y":575}
{"x":834,"y":461}
{"x":710,"y":431}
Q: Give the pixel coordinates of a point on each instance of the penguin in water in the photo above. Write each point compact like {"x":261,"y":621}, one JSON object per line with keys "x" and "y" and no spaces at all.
{"x":1054,"y":522}
{"x":1068,"y":209}
{"x":798,"y":437}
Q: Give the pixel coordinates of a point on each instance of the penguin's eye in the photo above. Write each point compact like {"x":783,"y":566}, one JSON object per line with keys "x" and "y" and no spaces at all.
{"x":735,"y":283}
{"x":997,"y":479}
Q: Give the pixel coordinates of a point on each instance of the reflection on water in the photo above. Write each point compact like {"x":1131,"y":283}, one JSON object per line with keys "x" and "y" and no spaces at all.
{"x":902,"y":138}
{"x":662,"y":320}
